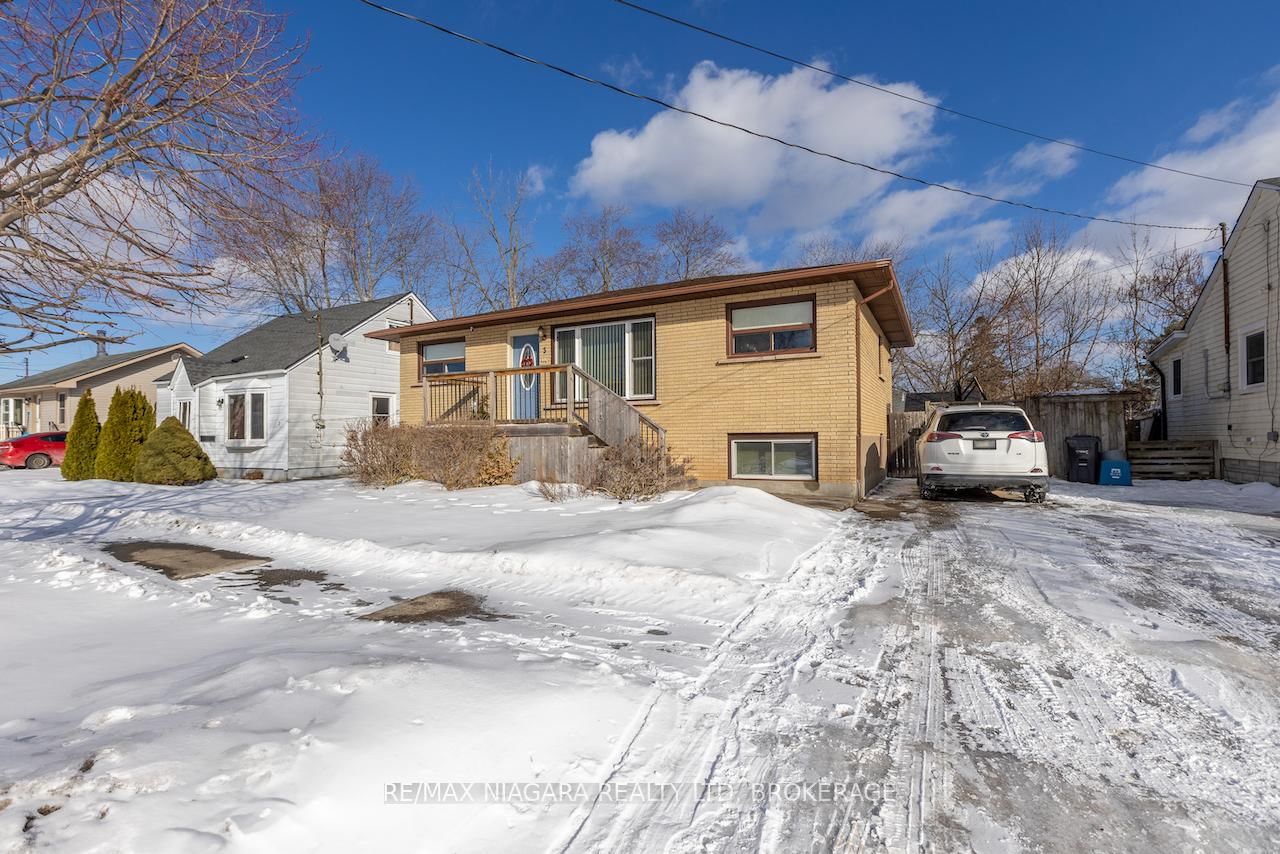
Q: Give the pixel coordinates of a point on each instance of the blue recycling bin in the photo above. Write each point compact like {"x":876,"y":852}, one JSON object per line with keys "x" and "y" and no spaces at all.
{"x":1115,"y":473}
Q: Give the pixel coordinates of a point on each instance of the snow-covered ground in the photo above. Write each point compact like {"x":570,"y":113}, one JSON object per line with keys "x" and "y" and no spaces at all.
{"x":720,"y":671}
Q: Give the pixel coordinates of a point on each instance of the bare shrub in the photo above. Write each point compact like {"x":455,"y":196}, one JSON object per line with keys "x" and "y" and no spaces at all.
{"x":552,"y":489}
{"x":458,"y":456}
{"x":634,"y":470}
{"x":379,"y":455}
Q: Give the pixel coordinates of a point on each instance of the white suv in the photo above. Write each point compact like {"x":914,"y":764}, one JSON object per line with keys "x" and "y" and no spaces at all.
{"x":968,"y":446}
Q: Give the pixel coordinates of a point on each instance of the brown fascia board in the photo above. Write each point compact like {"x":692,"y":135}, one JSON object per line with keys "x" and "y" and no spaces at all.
{"x":662,"y":293}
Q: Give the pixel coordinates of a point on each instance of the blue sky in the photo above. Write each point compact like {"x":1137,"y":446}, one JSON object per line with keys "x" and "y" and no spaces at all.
{"x":1169,"y":82}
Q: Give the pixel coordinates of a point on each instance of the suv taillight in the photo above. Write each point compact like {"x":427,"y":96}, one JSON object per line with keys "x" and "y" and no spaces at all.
{"x":1029,"y":435}
{"x":942,"y":437}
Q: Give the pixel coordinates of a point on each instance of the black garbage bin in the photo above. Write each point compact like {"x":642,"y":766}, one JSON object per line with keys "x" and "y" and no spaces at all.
{"x":1084,"y":456}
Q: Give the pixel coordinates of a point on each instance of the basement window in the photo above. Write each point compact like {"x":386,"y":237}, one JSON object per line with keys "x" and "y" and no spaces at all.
{"x":785,"y":457}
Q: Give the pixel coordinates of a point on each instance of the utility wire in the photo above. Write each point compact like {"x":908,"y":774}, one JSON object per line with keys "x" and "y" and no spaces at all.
{"x":666,"y":105}
{"x":960,"y":113}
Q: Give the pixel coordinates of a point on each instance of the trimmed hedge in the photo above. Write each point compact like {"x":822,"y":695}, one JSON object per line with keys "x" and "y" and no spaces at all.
{"x":82,"y":440}
{"x":130,"y":419}
{"x":171,"y":455}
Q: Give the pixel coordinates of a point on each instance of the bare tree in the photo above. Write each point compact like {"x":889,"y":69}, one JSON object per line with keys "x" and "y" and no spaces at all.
{"x":1157,"y":290}
{"x":693,"y":245}
{"x":950,"y":314}
{"x":492,"y":264}
{"x":129,"y":128}
{"x":343,"y":231}
{"x":603,"y":253}
{"x":278,"y":248}
{"x":1055,"y":306}
{"x":379,"y":234}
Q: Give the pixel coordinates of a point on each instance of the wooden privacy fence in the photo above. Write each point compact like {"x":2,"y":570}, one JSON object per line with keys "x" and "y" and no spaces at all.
{"x":1058,"y":416}
{"x":901,"y":459}
{"x":1174,"y":460}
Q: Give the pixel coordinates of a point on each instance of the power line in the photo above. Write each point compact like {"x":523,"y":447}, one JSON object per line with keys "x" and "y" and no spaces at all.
{"x":666,"y":105}
{"x":884,"y":89}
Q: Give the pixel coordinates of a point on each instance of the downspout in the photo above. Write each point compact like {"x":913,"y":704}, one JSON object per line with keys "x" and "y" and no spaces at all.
{"x":860,"y":473}
{"x":1226,"y":306}
{"x":1164,"y":404}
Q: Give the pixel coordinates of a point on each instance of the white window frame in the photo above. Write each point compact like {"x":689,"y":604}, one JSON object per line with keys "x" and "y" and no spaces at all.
{"x":628,"y":379}
{"x":1245,"y":385}
{"x":62,"y":407}
{"x":773,"y":440}
{"x":178,"y":404}
{"x":393,"y":411}
{"x":249,"y":441}
{"x":1180,"y":374}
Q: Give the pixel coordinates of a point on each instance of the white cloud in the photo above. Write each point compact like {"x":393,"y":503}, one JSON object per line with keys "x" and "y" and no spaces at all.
{"x":535,"y":179}
{"x":1045,"y":159}
{"x":1245,"y":152}
{"x":1214,"y":122}
{"x":627,"y":72}
{"x":680,"y":160}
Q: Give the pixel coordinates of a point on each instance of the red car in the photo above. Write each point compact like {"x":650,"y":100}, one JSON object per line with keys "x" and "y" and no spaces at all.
{"x":34,"y":450}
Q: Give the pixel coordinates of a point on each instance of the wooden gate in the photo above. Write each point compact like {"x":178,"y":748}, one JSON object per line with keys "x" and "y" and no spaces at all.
{"x":902,"y":445}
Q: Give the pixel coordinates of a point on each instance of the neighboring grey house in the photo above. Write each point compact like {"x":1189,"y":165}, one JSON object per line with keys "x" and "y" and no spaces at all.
{"x":278,"y":399}
{"x":1222,"y":368}
{"x":47,"y":401}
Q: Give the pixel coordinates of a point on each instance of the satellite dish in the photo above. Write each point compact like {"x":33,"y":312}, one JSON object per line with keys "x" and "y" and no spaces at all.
{"x":337,"y":343}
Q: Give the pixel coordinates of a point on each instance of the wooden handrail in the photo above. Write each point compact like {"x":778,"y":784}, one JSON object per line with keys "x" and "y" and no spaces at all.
{"x":609,"y":415}
{"x":601,"y":423}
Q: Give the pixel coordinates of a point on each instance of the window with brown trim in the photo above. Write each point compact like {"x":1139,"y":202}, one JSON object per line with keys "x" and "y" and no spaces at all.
{"x":442,"y":357}
{"x":764,"y":327}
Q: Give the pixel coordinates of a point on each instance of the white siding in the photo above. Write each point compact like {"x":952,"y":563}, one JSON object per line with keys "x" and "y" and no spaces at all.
{"x":208,"y":422}
{"x":366,"y":368}
{"x":1205,"y":408}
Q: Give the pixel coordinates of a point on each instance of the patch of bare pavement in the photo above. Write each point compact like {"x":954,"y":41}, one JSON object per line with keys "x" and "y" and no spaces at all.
{"x":182,"y":561}
{"x":438,"y":607}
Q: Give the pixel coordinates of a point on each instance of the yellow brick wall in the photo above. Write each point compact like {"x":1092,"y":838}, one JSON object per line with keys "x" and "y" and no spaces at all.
{"x":702,"y":397}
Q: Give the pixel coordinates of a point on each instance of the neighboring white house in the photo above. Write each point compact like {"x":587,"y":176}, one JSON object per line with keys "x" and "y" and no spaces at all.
{"x":278,"y":399}
{"x":1221,"y":370}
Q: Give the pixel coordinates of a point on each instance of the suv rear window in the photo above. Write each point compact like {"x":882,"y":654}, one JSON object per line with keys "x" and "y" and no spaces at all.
{"x":995,"y":421}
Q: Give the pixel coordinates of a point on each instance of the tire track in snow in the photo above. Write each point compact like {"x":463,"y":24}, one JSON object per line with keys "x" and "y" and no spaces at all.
{"x":742,"y":724}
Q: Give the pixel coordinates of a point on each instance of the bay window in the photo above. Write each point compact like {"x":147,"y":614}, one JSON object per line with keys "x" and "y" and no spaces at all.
{"x":763,"y":327}
{"x":774,"y":457}
{"x":247,"y":416}
{"x":618,"y":354}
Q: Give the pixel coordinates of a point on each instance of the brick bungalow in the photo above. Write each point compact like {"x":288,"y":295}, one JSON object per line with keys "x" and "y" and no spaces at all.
{"x":780,"y":380}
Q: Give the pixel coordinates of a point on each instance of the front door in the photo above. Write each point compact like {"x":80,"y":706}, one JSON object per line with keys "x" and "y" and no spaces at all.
{"x":524,"y":387}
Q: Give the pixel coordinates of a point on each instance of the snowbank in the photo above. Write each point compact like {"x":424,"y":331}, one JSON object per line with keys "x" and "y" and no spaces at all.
{"x":182,"y":716}
{"x":1256,"y":498}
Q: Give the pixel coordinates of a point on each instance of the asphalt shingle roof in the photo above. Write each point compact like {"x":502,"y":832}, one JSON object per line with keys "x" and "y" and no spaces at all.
{"x":78,"y":369}
{"x":280,"y":343}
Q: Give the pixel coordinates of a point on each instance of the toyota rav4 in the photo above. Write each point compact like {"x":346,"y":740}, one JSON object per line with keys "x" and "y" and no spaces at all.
{"x":972,"y":446}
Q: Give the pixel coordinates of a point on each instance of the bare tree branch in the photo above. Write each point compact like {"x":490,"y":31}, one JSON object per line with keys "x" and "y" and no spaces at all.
{"x":129,"y":129}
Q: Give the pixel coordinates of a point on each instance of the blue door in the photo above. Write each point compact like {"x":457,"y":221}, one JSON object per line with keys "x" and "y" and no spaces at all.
{"x":524,"y":387}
